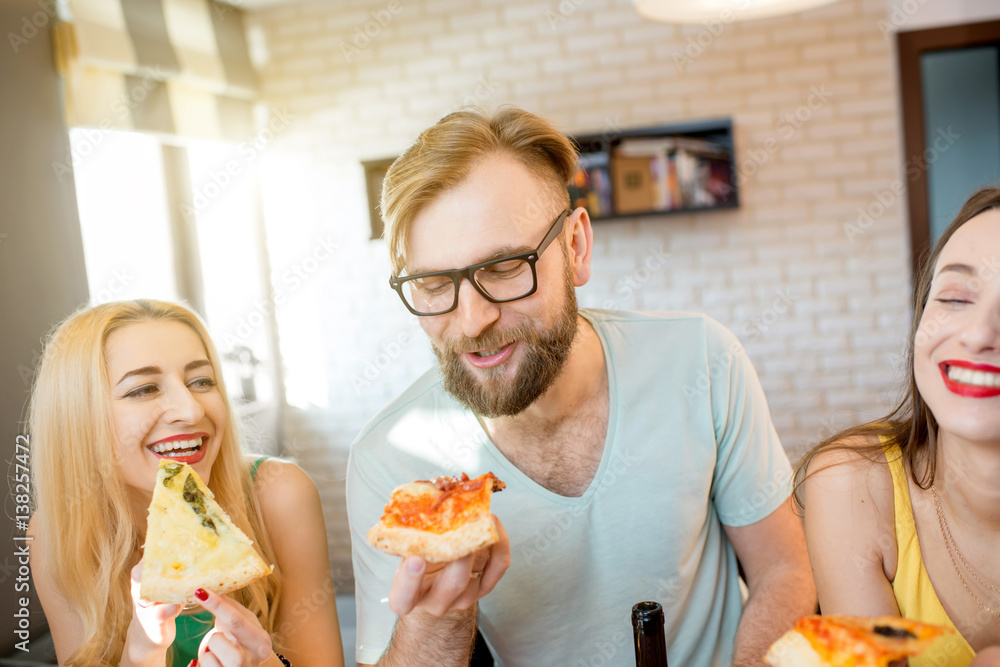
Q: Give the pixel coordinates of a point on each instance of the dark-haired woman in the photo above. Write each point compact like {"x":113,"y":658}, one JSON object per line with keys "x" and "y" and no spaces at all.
{"x":903,"y":514}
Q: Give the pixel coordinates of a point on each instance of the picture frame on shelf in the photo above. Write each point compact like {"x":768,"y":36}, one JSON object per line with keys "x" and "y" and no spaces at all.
{"x":375,"y":171}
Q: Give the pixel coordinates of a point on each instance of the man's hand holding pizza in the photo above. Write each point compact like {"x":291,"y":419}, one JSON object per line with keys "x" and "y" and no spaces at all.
{"x":438,"y":588}
{"x":454,"y":551}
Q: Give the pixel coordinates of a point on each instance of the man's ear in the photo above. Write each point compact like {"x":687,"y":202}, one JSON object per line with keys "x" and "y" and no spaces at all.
{"x":580,"y":245}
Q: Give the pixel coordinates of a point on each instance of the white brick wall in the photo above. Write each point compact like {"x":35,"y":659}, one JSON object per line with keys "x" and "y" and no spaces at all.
{"x":805,"y":171}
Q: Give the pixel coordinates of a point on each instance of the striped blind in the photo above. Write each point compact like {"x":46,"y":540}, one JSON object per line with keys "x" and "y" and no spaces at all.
{"x":178,"y":67}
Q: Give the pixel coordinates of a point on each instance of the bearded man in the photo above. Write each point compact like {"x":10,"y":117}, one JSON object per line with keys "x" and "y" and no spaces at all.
{"x":638,"y":452}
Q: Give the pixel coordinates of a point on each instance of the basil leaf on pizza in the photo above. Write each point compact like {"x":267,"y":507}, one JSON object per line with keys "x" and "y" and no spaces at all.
{"x":191,"y":543}
{"x":440,"y":520}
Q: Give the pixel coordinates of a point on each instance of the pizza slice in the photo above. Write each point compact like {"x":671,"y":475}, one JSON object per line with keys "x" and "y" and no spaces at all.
{"x":439,"y":520}
{"x":851,"y":641}
{"x":191,"y":543}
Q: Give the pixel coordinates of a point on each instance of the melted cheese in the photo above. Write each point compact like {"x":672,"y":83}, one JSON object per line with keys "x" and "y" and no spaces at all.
{"x":178,"y":543}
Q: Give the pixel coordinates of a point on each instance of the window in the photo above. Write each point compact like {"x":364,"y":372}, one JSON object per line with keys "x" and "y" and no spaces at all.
{"x":120,"y":193}
{"x":181,"y":224}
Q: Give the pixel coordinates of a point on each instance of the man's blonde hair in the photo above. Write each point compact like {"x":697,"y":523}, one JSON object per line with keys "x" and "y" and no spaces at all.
{"x":444,"y":155}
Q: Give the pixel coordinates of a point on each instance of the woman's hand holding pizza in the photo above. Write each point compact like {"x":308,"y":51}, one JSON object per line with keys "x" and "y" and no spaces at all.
{"x":438,"y":588}
{"x":237,"y":640}
{"x":152,"y":630}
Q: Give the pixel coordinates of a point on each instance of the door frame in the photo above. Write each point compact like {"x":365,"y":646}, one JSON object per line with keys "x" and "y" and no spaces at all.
{"x":910,"y":46}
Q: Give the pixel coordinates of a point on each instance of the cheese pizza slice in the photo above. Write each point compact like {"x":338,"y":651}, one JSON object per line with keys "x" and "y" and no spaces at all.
{"x":191,"y":543}
{"x":851,"y":641}
{"x":440,"y":520}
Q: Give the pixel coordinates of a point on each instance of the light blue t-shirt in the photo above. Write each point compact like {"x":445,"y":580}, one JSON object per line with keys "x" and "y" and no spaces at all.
{"x":690,"y":447}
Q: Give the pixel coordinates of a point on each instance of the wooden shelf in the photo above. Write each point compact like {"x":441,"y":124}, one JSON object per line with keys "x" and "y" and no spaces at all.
{"x":659,"y":170}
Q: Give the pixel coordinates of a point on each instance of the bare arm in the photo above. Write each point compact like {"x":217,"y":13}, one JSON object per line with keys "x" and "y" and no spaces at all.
{"x":850,"y":532}
{"x":307,"y":613}
{"x":988,"y":657}
{"x":422,"y":639}
{"x":436,"y":606}
{"x":773,"y":554}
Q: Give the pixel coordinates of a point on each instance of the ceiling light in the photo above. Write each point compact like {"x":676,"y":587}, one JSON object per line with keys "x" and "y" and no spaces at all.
{"x":700,"y":11}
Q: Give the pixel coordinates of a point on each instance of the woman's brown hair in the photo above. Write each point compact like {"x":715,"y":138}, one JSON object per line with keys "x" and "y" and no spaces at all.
{"x":911,"y":425}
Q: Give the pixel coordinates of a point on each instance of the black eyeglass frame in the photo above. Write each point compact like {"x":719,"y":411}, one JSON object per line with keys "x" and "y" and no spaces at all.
{"x":469,"y":272}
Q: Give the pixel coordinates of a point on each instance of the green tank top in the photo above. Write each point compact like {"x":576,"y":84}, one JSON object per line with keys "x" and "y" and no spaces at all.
{"x":192,"y":628}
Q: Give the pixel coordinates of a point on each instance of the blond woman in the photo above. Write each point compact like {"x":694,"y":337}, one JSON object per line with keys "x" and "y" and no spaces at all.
{"x":121,"y":386}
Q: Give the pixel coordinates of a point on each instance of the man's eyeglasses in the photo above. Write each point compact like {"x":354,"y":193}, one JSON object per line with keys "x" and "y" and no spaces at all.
{"x":499,"y":280}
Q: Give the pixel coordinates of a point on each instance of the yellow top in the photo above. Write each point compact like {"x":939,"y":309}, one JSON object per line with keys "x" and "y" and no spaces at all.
{"x":914,"y":592}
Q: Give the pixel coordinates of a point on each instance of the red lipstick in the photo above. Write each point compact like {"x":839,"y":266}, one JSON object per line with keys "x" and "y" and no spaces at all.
{"x":968,"y":390}
{"x":192,"y":458}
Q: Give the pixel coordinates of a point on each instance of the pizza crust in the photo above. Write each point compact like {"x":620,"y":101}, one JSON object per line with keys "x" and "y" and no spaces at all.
{"x":181,"y":590}
{"x":793,"y":650}
{"x":435,"y":547}
{"x":852,"y":641}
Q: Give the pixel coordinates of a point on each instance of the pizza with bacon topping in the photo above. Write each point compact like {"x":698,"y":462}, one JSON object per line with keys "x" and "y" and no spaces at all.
{"x":440,"y":520}
{"x":851,"y":641}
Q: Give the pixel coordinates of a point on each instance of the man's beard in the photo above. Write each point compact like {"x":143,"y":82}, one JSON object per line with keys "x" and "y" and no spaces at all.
{"x":489,"y":394}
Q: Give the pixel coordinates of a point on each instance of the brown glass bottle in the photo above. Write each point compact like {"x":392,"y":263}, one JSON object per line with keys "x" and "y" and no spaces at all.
{"x":650,"y":638}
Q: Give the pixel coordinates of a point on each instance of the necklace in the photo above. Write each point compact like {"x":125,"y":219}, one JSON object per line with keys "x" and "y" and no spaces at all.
{"x":953,"y":551}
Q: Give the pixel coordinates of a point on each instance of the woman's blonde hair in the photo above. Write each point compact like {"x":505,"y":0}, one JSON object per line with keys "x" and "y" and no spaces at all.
{"x":82,"y":512}
{"x":445,"y":154}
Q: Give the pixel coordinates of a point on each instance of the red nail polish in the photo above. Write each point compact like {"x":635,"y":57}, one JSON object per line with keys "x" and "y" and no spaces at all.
{"x":193,"y":663}
{"x":201,"y":594}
